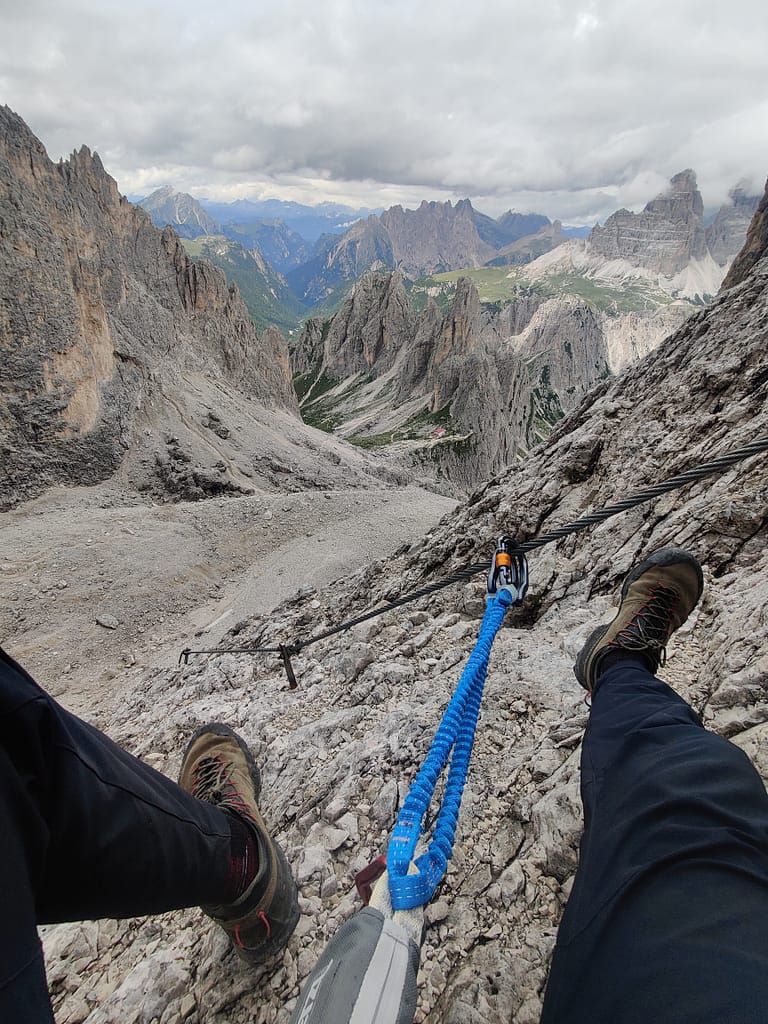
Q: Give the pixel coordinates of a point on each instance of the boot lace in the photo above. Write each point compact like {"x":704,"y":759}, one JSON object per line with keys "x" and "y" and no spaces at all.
{"x":650,"y":627}
{"x":213,"y":782}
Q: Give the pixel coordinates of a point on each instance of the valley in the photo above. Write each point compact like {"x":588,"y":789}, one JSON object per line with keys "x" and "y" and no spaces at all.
{"x":450,"y":343}
{"x":89,"y":608}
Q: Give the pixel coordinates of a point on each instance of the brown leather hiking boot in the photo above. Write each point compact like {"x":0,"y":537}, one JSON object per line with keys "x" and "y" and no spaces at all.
{"x":657,"y":597}
{"x":219,"y":768}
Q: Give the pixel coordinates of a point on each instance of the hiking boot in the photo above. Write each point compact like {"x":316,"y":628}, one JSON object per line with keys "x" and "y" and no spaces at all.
{"x":657,"y":597}
{"x":219,"y":768}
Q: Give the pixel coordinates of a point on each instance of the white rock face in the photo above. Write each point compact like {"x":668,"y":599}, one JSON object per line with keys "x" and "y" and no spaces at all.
{"x":698,"y":279}
{"x":632,"y":336}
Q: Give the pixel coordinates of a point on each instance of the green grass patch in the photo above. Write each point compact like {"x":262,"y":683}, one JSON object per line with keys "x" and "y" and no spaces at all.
{"x":494,"y":286}
{"x":266,"y":296}
{"x":193,"y":247}
{"x":461,"y":446}
{"x":302,"y":382}
{"x":498,"y":286}
{"x":321,"y":384}
{"x":322,"y":416}
{"x":493,"y":283}
{"x":417,"y":428}
{"x":376,"y":440}
{"x":429,"y":420}
{"x":630,"y":298}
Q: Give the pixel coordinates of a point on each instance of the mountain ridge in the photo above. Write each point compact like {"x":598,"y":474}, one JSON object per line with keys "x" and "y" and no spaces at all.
{"x":461,"y":393}
{"x":664,"y":240}
{"x":667,"y":240}
{"x":124,"y":357}
{"x":434,"y":237}
{"x":583,"y":310}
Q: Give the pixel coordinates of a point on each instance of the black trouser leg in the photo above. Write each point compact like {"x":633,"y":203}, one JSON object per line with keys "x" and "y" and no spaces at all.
{"x":23,"y":990}
{"x":87,"y":831}
{"x":668,"y":917}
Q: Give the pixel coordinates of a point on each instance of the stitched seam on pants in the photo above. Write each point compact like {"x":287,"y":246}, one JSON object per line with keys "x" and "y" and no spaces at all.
{"x":4,"y":983}
{"x":136,"y":796}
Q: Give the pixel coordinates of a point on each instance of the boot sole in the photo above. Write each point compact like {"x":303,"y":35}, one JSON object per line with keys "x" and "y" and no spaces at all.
{"x":579,"y":668}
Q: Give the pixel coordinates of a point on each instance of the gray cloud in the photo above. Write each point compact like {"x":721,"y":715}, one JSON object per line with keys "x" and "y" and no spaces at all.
{"x":567,"y":109}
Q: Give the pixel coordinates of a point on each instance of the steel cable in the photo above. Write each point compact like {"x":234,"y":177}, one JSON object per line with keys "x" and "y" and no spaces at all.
{"x":640,"y":497}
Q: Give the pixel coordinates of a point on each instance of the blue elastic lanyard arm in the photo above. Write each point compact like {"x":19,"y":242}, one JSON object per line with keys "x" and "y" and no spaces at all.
{"x":454,"y":739}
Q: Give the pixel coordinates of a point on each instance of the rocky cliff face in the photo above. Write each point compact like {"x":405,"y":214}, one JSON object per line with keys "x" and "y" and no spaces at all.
{"x":667,"y":240}
{"x":364,"y":246}
{"x":644,"y":274}
{"x":118,"y":351}
{"x":338,"y":753}
{"x":665,"y":237}
{"x":754,"y":247}
{"x":530,"y":247}
{"x":459,"y":393}
{"x":726,"y":234}
{"x":669,"y":234}
{"x":493,"y":384}
{"x":509,"y":227}
{"x":371,"y":328}
{"x":265,"y":292}
{"x":434,"y":238}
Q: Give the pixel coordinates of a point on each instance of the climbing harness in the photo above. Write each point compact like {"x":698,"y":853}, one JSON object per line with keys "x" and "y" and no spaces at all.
{"x":287,"y":651}
{"x":507,"y":585}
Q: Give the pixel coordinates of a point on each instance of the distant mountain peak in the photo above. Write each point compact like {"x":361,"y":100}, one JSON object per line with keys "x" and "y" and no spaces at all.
{"x":683,"y":181}
{"x":162,"y":193}
{"x":726,"y":233}
{"x":181,"y":210}
{"x":664,"y":237}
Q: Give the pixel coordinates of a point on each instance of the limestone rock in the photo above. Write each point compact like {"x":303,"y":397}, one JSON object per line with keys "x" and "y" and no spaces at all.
{"x":665,"y":237}
{"x":102,"y":318}
{"x":370,"y":329}
{"x":146,"y":991}
{"x":754,"y":248}
{"x":461,"y":393}
{"x":107,"y":621}
{"x":435,"y":237}
{"x":530,"y":247}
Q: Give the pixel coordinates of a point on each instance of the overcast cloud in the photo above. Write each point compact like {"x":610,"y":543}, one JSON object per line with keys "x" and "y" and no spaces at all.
{"x":569,"y":109}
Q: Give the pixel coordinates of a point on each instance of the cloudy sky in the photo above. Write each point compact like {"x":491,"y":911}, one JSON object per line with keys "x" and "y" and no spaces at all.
{"x":569,"y":109}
